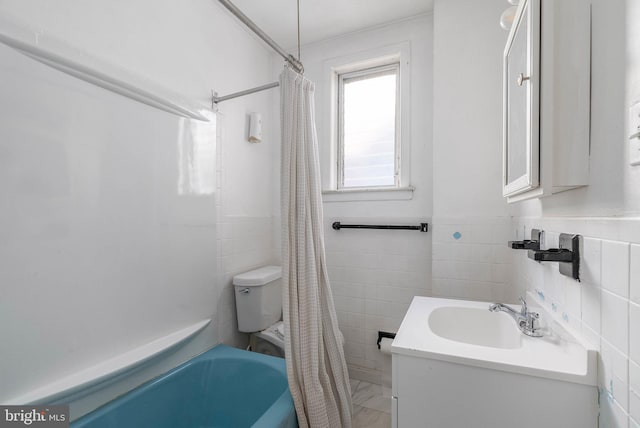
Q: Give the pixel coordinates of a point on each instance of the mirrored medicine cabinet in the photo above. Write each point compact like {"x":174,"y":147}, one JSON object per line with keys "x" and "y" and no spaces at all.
{"x":546,"y":99}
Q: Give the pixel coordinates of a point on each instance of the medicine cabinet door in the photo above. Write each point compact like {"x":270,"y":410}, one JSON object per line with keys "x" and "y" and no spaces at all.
{"x":521,"y":145}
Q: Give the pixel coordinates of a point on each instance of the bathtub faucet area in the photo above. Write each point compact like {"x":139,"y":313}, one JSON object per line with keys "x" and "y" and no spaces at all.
{"x":527,"y":321}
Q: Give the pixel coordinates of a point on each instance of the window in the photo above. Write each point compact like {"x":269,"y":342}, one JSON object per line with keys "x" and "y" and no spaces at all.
{"x":368,"y":134}
{"x":365,"y":131}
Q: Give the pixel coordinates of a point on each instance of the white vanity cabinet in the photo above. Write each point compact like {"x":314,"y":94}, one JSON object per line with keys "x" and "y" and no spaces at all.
{"x":458,"y":365}
{"x":431,"y":393}
{"x":546,"y":99}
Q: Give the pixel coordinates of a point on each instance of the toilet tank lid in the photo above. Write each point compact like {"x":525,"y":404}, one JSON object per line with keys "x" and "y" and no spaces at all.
{"x":257,"y":277}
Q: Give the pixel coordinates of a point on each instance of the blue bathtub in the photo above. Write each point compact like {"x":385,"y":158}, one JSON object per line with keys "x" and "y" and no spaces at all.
{"x":224,"y":387}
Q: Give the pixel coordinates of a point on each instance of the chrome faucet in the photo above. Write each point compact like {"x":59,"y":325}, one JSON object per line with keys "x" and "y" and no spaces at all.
{"x":527,"y":321}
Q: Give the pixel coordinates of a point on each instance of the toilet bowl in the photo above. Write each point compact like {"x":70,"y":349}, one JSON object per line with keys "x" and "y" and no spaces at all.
{"x":258,"y":296}
{"x":269,"y":341}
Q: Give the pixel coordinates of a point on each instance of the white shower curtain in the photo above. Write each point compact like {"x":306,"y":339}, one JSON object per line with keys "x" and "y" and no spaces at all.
{"x":316,"y":366}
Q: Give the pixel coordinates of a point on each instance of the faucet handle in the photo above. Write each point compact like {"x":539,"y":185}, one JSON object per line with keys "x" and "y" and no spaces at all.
{"x":523,"y":310}
{"x":532,"y":320}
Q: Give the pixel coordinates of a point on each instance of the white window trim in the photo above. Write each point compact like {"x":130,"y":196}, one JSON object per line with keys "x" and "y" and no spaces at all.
{"x":368,"y":194}
{"x":333,"y":67}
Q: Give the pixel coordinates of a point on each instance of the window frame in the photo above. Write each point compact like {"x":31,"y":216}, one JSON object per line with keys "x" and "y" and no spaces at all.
{"x":399,"y":52}
{"x":391,"y":67}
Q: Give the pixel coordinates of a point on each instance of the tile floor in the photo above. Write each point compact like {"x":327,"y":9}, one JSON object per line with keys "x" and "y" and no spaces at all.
{"x":371,"y":405}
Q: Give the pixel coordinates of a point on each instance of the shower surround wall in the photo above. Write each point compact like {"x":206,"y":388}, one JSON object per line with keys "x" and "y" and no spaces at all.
{"x":181,"y":288}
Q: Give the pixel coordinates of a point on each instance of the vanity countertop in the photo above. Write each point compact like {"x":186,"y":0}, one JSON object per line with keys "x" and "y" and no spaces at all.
{"x":557,"y":355}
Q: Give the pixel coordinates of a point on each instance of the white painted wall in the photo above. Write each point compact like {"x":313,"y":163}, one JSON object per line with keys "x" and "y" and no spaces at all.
{"x":467,"y":130}
{"x":470,"y":222}
{"x":374,"y":274}
{"x":467,"y":94}
{"x":102,"y":255}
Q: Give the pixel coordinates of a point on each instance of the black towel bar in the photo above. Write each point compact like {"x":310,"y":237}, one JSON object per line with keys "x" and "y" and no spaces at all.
{"x":424,"y":227}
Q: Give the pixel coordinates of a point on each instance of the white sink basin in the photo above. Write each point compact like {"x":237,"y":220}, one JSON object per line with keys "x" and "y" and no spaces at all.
{"x":476,"y":326}
{"x":466,"y":332}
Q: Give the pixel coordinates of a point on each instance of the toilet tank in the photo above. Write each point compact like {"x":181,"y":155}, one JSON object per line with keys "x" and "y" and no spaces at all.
{"x":258,"y":298}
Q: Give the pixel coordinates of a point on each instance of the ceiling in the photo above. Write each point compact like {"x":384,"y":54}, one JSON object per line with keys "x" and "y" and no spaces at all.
{"x":322,"y":19}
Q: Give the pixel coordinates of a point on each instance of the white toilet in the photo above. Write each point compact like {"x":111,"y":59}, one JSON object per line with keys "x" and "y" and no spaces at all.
{"x":259,"y":308}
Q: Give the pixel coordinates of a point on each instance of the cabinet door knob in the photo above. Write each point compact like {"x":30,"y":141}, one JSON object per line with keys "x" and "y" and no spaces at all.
{"x":522,"y":78}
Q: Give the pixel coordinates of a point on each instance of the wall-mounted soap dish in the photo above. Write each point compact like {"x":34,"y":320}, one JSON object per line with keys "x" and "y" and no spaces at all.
{"x":567,"y":255}
{"x":528,"y":244}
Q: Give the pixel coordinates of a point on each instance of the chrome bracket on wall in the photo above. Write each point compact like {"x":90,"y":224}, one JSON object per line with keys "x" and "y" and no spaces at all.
{"x":567,"y":255}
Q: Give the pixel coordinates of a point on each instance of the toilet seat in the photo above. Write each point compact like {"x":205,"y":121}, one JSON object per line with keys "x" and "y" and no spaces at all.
{"x":269,"y":341}
{"x":274,"y":334}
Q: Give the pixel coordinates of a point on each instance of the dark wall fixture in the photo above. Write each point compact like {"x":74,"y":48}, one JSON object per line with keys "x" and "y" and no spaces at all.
{"x":528,"y":244}
{"x":423,"y":227}
{"x":382,"y":334}
{"x":567,"y":256}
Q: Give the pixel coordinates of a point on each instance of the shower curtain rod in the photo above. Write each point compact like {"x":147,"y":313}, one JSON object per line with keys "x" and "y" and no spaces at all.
{"x":293,"y":61}
{"x":217,"y":99}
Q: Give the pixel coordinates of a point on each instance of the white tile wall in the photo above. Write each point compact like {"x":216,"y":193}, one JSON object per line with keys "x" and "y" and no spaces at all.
{"x":615,"y":267}
{"x":634,"y":277}
{"x":614,"y":373}
{"x":615,"y":320}
{"x":634,"y":331}
{"x":591,"y":306}
{"x":243,"y":242}
{"x":612,"y":415}
{"x":374,"y":275}
{"x":592,"y":261}
{"x":471,"y":259}
{"x":604,"y":308}
{"x":634,"y":392}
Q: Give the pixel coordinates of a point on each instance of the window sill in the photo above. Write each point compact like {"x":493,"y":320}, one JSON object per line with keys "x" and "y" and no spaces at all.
{"x":368,"y":194}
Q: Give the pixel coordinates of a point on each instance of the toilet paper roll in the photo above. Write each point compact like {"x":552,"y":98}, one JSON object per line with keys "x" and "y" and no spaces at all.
{"x":385,"y":345}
